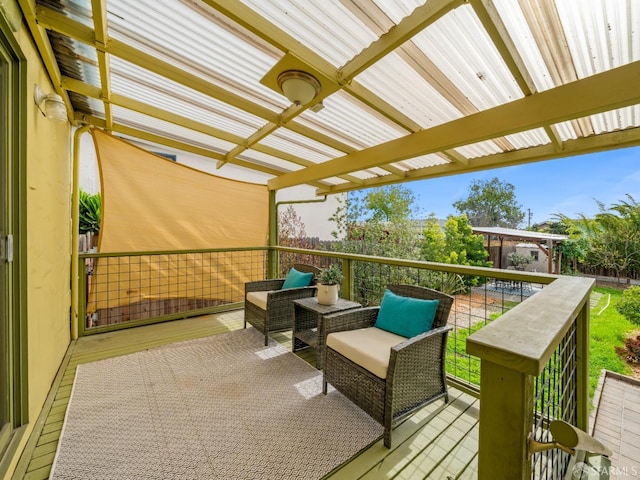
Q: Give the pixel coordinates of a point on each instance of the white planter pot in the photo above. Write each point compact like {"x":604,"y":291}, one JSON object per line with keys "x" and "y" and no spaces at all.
{"x":327,"y":294}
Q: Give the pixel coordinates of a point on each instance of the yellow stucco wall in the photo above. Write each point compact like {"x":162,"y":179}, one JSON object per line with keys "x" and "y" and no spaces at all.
{"x":48,"y":237}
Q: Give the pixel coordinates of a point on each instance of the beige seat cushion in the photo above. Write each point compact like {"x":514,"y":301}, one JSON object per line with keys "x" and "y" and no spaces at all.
{"x":368,"y":347}
{"x":259,"y":299}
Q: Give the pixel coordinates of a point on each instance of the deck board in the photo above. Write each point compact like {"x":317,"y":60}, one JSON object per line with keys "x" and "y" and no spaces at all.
{"x":616,"y":422}
{"x":440,"y":441}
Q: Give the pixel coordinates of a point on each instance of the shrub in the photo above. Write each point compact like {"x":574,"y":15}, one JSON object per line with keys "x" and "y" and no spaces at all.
{"x":519,"y":260}
{"x":631,"y":350}
{"x":629,"y":305}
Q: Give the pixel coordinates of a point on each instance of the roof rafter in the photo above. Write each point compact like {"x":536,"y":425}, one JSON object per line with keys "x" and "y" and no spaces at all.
{"x":99,"y":10}
{"x":493,"y":24}
{"x":66,"y":26}
{"x":579,"y":146}
{"x":609,"y":90}
{"x":544,"y":23}
{"x":131,"y":104}
{"x":418,"y":20}
{"x":160,"y":140}
{"x":46,"y":51}
{"x":265,"y":30}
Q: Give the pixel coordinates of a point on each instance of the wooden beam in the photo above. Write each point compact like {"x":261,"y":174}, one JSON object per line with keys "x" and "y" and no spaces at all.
{"x":99,"y":13}
{"x":495,"y":28}
{"x":579,"y":146}
{"x":131,"y":104}
{"x":545,"y":25}
{"x":57,"y":22}
{"x":41,"y":40}
{"x":178,"y":145}
{"x":409,"y":26}
{"x":267,"y":31}
{"x":599,"y":93}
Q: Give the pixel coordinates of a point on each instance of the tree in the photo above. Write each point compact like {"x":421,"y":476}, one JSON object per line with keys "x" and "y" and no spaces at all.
{"x":292,"y":233}
{"x":463,"y":246}
{"x":491,"y":203}
{"x":573,"y":250}
{"x":376,"y":222}
{"x":390,"y":203}
{"x":434,"y":246}
{"x":614,"y":236}
{"x":629,"y":305}
{"x":456,"y":244}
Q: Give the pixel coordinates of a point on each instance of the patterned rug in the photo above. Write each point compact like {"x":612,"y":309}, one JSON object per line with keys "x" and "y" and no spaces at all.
{"x":222,"y":407}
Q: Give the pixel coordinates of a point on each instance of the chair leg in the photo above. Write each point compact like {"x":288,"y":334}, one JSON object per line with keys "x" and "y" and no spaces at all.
{"x":266,"y":339}
{"x":324,"y":385}
{"x":387,"y":436}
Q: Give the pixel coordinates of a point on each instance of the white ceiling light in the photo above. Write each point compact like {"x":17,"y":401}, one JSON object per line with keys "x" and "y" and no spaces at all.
{"x":298,"y":86}
{"x":51,"y":105}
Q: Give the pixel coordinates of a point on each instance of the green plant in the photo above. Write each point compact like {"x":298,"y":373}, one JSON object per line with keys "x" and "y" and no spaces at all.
{"x":519,"y":260}
{"x":629,"y":305}
{"x":330,"y":276}
{"x":90,"y":211}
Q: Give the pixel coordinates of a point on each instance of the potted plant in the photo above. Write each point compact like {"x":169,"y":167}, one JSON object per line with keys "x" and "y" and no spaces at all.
{"x":329,"y":285}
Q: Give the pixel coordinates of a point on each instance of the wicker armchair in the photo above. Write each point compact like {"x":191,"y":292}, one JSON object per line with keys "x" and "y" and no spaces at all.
{"x":415,"y":374}
{"x":277,"y":314}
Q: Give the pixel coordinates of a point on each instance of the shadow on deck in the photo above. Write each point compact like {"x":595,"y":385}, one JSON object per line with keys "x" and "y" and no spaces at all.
{"x":438,"y":442}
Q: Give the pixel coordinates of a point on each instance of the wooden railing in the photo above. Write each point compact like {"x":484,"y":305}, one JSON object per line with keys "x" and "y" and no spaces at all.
{"x":534,"y":369}
{"x":511,"y":331}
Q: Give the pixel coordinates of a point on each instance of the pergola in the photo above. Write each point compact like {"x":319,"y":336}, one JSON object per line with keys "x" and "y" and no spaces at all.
{"x":550,"y":240}
{"x":405,"y":90}
{"x":396,"y":91}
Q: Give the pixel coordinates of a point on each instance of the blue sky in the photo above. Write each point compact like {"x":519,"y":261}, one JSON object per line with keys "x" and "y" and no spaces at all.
{"x":568,"y":185}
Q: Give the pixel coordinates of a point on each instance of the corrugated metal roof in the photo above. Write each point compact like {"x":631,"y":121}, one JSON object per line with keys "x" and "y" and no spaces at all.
{"x":174,"y":132}
{"x":519,"y":234}
{"x":409,"y":87}
{"x":144,"y":86}
{"x":409,"y":92}
{"x":348,"y":120}
{"x":325,"y":26}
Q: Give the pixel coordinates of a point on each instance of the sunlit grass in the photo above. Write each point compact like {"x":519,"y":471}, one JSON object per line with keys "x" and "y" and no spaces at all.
{"x":608,"y":329}
{"x":459,"y":364}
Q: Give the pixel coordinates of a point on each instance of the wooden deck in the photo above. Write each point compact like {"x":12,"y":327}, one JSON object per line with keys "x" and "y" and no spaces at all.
{"x":616,"y":422}
{"x":439,"y":442}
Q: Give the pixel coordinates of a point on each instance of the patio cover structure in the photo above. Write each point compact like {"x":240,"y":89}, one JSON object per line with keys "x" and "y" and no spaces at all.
{"x":550,"y":240}
{"x":403,"y":90}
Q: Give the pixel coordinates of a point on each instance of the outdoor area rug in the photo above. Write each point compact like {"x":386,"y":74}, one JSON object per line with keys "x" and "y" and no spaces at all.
{"x":221,"y":407}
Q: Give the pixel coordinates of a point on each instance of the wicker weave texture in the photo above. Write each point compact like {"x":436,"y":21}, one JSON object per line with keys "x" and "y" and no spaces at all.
{"x":278,"y":315}
{"x":416,"y":374}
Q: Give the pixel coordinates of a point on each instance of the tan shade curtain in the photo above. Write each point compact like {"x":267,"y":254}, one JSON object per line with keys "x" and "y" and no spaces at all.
{"x":150,"y":203}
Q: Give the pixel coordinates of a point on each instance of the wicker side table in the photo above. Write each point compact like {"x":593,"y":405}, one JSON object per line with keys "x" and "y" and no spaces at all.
{"x":308,"y":326}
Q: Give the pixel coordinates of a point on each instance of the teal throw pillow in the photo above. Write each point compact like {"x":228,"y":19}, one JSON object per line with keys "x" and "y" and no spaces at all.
{"x":405,"y":316}
{"x":296,"y":279}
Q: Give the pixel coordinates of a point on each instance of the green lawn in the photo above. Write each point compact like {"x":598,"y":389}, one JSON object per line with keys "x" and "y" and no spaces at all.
{"x":608,"y":329}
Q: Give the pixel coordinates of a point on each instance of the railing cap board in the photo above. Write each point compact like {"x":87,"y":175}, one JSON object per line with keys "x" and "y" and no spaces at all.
{"x":525,"y":337}
{"x":490,"y":272}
